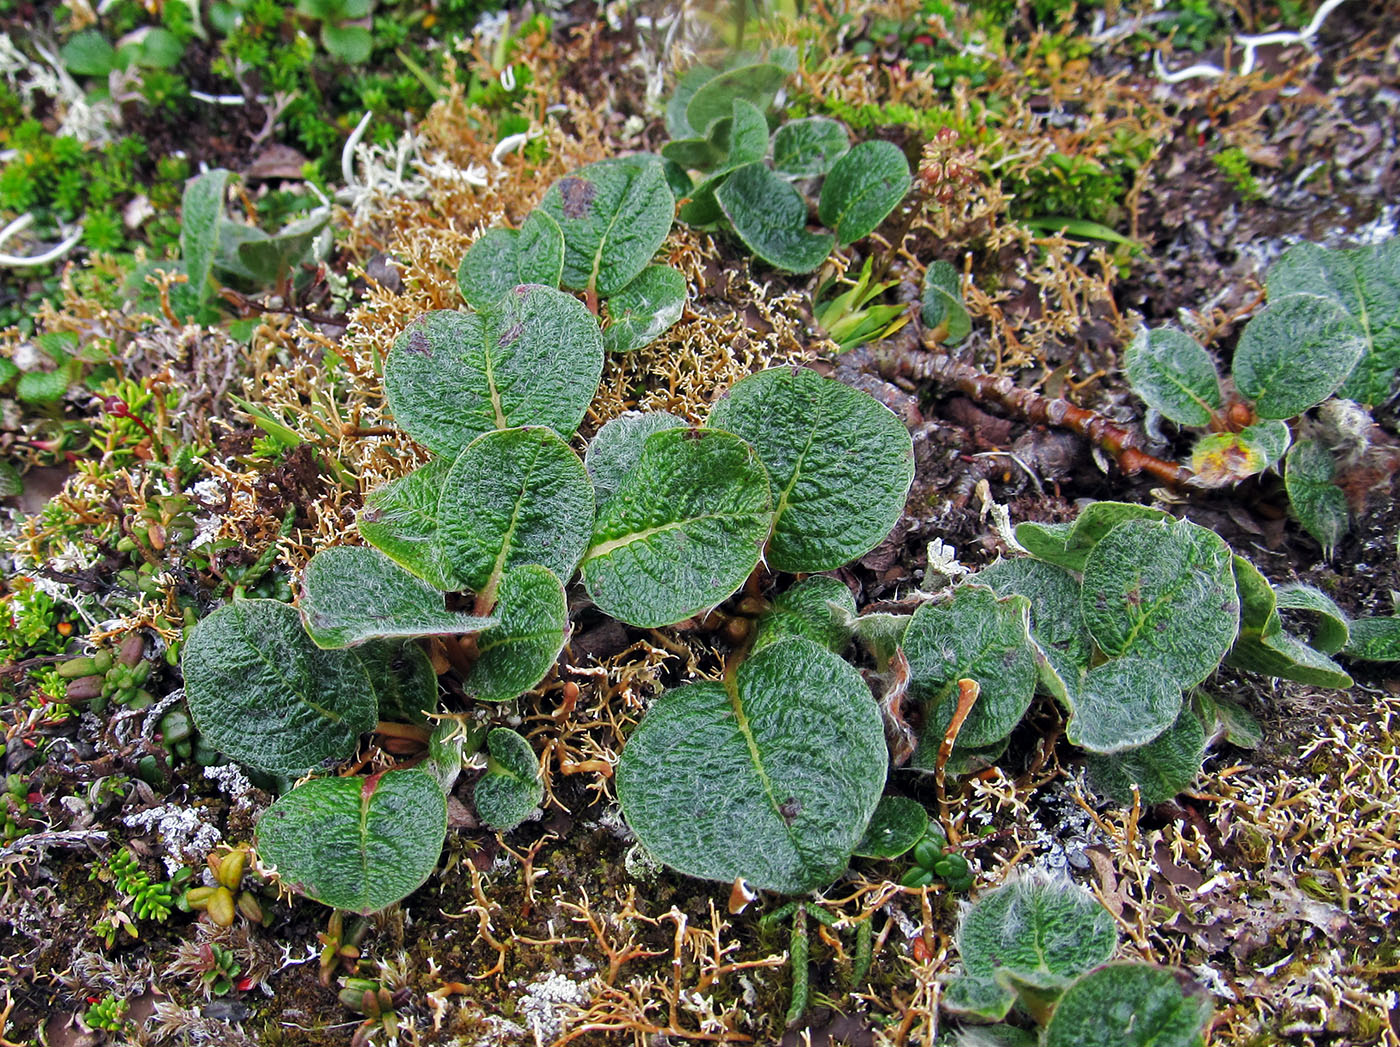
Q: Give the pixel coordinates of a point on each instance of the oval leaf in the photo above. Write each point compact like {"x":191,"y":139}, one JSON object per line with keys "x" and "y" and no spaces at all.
{"x":1057,"y":627}
{"x":517,"y":653}
{"x":1161,"y":769}
{"x":1068,"y":544}
{"x":1163,"y":591}
{"x":683,"y":531}
{"x":1122,"y":704}
{"x":615,"y":448}
{"x":501,"y":259}
{"x":1176,"y":376}
{"x":262,"y":692}
{"x":807,"y":148}
{"x":770,"y":216}
{"x":897,"y":825}
{"x":351,"y":594}
{"x":404,"y":681}
{"x":820,"y":608}
{"x":1036,"y":926}
{"x":359,"y":844}
{"x":1309,"y":475}
{"x":841,"y":463}
{"x":1374,"y":640}
{"x":400,"y":520}
{"x":532,"y":359}
{"x":771,"y":776}
{"x":1128,"y":1005}
{"x":758,"y":84}
{"x":973,"y":636}
{"x":645,"y":309}
{"x":1295,"y":354}
{"x":863,"y":187}
{"x":943,"y":309}
{"x":511,"y":787}
{"x":614,"y":215}
{"x":677,"y":126}
{"x":515,"y":496}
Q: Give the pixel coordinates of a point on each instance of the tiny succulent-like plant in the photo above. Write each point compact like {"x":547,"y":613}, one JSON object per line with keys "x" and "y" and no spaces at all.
{"x":1332,"y":325}
{"x":719,"y":127}
{"x":1043,"y":947}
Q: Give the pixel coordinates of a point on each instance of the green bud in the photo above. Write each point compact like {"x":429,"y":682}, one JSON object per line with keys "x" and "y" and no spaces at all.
{"x":917,"y":877}
{"x":76,"y":667}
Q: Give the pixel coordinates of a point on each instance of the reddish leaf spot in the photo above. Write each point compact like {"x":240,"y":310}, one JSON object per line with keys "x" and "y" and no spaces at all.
{"x":418,"y":342}
{"x":577,"y":194}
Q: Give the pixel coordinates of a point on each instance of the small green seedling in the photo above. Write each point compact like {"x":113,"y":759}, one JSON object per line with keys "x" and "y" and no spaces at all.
{"x":1332,"y":326}
{"x":934,"y":862}
{"x":1042,"y":946}
{"x":719,"y":128}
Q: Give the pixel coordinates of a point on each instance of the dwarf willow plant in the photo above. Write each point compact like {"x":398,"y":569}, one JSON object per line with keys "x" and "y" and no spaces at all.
{"x":659,"y":521}
{"x":1332,"y":326}
{"x":1042,"y":947}
{"x":749,"y":180}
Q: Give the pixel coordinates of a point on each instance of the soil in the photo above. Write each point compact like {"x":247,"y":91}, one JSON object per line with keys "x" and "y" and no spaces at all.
{"x":569,"y":899}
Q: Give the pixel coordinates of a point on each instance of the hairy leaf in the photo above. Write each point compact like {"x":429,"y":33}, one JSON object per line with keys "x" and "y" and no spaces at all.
{"x":1374,"y":640}
{"x":615,"y":448}
{"x":1121,"y":704}
{"x":1161,"y":769}
{"x":771,"y":775}
{"x":820,"y":608}
{"x":614,"y":215}
{"x":943,"y":308}
{"x":1295,"y":354}
{"x":1331,"y":634}
{"x":757,"y":84}
{"x":1264,"y":647}
{"x":1309,"y":475}
{"x":863,"y":187}
{"x":1222,"y":459}
{"x":511,"y":787}
{"x":1172,"y":372}
{"x":533,"y":359}
{"x":1057,"y":626}
{"x":1128,"y":1005}
{"x":677,"y":126}
{"x":514,"y":496}
{"x":351,"y":594}
{"x":840,"y":462}
{"x":645,"y":309}
{"x":400,"y":520}
{"x":402,"y":676}
{"x":1068,"y":544}
{"x":808,"y":147}
{"x":770,"y":216}
{"x":359,"y":844}
{"x":502,"y":259}
{"x":1162,"y":591}
{"x":682,"y":531}
{"x":517,"y":652}
{"x":201,"y":226}
{"x":262,"y":692}
{"x":897,"y":824}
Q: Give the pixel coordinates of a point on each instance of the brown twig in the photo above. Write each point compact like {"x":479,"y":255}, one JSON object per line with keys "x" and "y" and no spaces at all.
{"x":968,"y":691}
{"x":897,"y":360}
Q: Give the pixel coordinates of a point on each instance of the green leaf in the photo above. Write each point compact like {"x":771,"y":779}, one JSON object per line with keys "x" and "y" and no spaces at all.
{"x":1161,"y":769}
{"x":1309,"y":474}
{"x":881,"y":633}
{"x":400,"y":520}
{"x":533,"y":359}
{"x":262,"y":692}
{"x":1162,"y":591}
{"x":740,"y":138}
{"x":358,"y":844}
{"x":693,"y":154}
{"x":701,"y":208}
{"x":841,"y":463}
{"x":683,"y":530}
{"x":1036,"y":929}
{"x":897,"y":824}
{"x":1080,"y":228}
{"x":615,"y":448}
{"x":770,"y":217}
{"x":160,"y":49}
{"x":11,"y":482}
{"x":977,"y":636}
{"x":807,"y":148}
{"x":517,"y":653}
{"x":1128,"y":1005}
{"x":1068,"y":545}
{"x":980,"y":998}
{"x":502,"y":259}
{"x":511,"y":787}
{"x":1331,"y":634}
{"x":863,"y":187}
{"x":88,"y":53}
{"x":1175,"y":376}
{"x":351,"y":594}
{"x":1225,"y":718}
{"x":43,"y":387}
{"x":201,"y":227}
{"x":677,"y":126}
{"x":1122,"y":704}
{"x":614,"y":215}
{"x":351,"y":44}
{"x":514,"y":496}
{"x":1057,"y":627}
{"x":269,"y":259}
{"x":1262,"y":645}
{"x":943,"y":307}
{"x":757,"y":84}
{"x":1364,"y":281}
{"x":771,"y":775}
{"x":404,"y":681}
{"x":1374,"y":640}
{"x":819,"y":608}
{"x":1295,"y":354}
{"x":645,"y":309}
